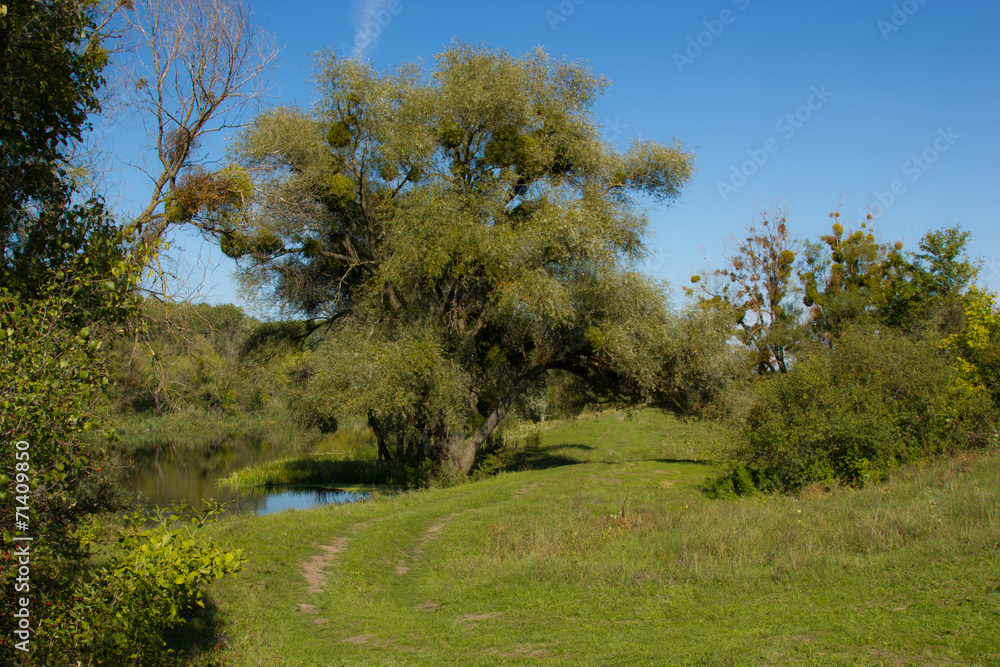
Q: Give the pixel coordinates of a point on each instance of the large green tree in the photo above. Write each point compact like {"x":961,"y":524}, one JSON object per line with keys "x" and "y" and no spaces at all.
{"x":50,"y":68}
{"x":461,"y":231}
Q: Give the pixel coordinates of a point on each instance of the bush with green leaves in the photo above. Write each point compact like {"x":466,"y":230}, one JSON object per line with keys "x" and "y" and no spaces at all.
{"x":53,"y":370}
{"x":977,"y":343}
{"x":116,"y":614}
{"x":852,"y":412}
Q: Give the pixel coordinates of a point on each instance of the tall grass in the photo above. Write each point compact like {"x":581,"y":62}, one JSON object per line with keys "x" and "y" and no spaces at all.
{"x":312,"y":471}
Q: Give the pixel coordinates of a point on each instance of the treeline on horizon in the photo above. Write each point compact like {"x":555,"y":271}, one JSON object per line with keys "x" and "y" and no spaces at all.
{"x":831,"y":361}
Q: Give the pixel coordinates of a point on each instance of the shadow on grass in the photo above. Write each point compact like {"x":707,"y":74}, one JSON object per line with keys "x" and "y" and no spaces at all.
{"x":699,"y":462}
{"x":541,"y":458}
{"x":198,"y":636}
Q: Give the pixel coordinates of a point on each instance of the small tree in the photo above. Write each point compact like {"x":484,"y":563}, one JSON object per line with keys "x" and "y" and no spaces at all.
{"x":843,"y":277}
{"x":754,"y":286}
{"x":927,"y":289}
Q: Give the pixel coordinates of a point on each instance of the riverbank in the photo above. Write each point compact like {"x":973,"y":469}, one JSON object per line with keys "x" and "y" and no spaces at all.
{"x":181,"y":458}
{"x":609,"y":553}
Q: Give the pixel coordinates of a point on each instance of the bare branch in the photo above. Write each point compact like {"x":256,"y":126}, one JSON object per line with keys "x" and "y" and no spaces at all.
{"x":199,"y":66}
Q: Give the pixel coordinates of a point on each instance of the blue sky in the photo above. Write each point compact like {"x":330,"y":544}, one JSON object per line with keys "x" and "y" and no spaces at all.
{"x":811,"y":104}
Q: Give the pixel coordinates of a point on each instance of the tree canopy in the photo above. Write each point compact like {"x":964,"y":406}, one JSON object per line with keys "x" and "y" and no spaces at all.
{"x":461,"y":231}
{"x":50,"y":68}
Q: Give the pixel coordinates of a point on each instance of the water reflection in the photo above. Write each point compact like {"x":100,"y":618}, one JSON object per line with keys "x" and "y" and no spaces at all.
{"x":186,"y":469}
{"x":305,"y":498}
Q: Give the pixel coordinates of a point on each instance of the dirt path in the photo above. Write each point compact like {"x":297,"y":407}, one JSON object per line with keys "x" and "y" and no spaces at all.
{"x":314,"y":568}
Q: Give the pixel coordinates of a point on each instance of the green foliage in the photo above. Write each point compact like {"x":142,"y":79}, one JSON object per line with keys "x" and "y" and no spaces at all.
{"x":398,"y":384}
{"x":153,"y":577}
{"x":700,"y":362}
{"x":50,"y":69}
{"x":734,"y":480}
{"x":843,"y":278}
{"x":201,"y":357}
{"x":925,"y":291}
{"x":67,"y":284}
{"x":52,"y":369}
{"x":339,"y":135}
{"x":853,"y":412}
{"x":465,"y":231}
{"x":977,"y":344}
{"x":312,"y":471}
{"x":506,"y":453}
{"x":894,"y":360}
{"x":216,"y":197}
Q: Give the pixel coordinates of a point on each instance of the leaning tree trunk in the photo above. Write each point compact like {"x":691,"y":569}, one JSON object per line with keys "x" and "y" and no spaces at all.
{"x":493,"y":420}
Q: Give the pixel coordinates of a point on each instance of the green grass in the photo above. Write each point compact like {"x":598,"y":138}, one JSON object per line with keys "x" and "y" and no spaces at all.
{"x":609,"y":554}
{"x":309,"y":471}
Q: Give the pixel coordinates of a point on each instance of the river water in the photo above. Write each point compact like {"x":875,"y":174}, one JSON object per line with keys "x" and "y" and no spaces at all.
{"x":187,"y":469}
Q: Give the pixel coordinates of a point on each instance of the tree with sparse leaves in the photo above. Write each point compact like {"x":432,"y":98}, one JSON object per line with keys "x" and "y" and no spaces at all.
{"x":459,"y":232}
{"x":754,"y":287}
{"x":198,"y":68}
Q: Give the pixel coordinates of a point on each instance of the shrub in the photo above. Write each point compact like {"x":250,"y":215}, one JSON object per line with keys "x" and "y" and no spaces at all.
{"x":852,"y":412}
{"x":118,"y":613}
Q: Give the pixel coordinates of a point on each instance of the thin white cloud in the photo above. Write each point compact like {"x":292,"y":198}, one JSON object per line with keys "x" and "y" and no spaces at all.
{"x":367,"y":28}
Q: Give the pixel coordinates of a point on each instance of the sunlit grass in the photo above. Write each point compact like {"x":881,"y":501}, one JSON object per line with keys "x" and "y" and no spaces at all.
{"x":611,"y":554}
{"x":309,"y":471}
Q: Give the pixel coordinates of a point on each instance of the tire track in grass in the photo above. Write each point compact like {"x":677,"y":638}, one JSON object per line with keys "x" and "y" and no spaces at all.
{"x":605,"y":434}
{"x":525,"y":489}
{"x":315,"y":567}
{"x":408,"y":559}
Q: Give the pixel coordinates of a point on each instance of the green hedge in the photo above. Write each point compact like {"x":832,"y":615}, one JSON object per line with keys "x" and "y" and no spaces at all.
{"x":853,"y":412}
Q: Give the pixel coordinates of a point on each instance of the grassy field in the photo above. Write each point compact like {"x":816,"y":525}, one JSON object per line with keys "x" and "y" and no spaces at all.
{"x":610,"y":555}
